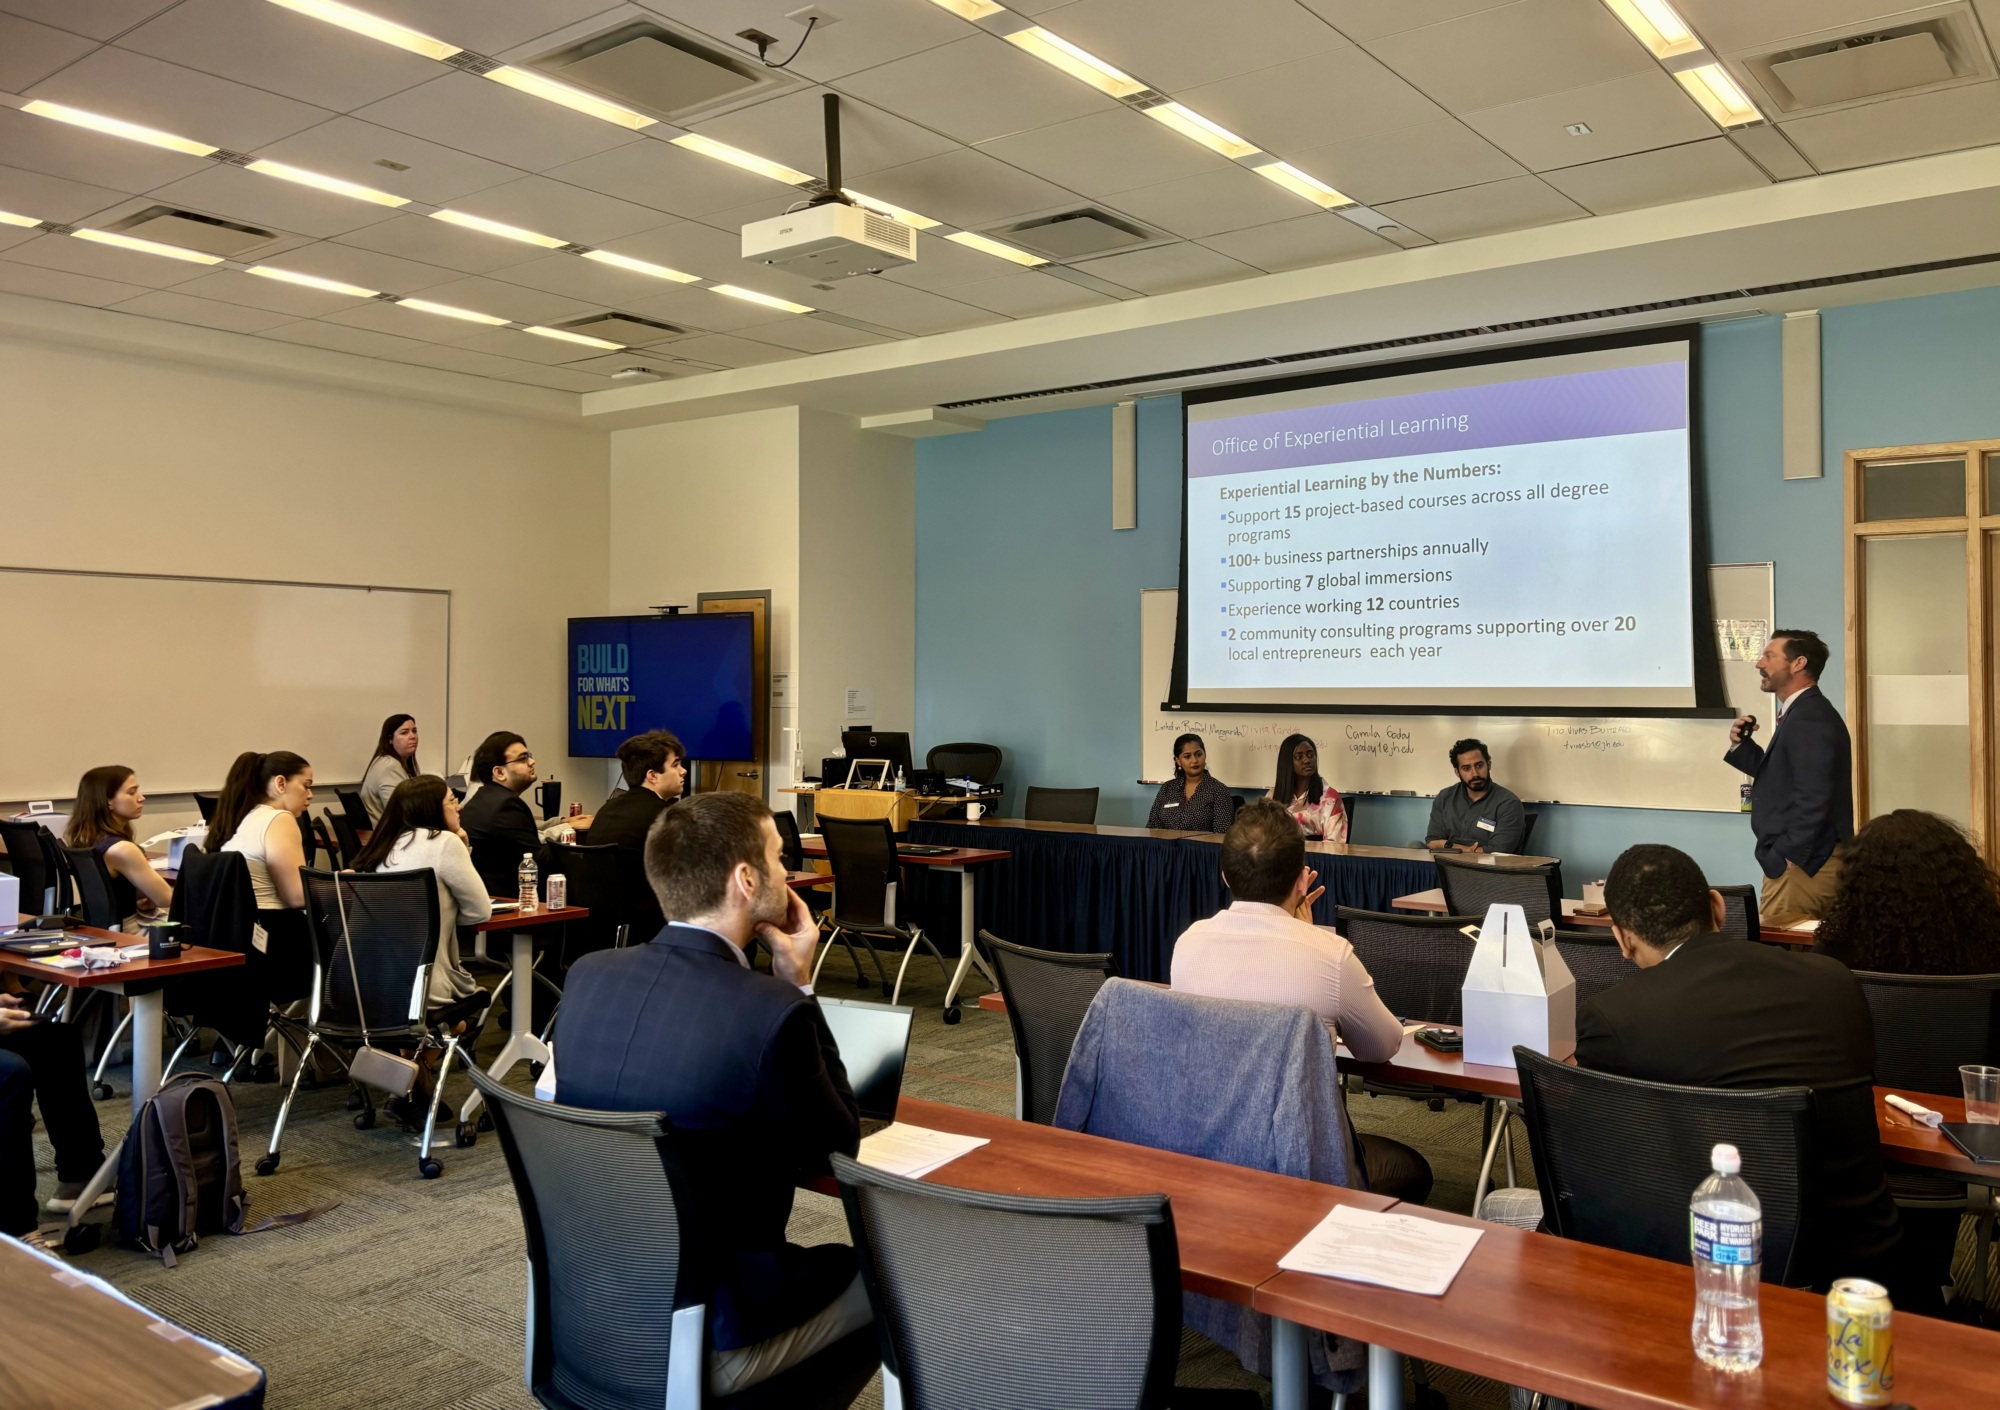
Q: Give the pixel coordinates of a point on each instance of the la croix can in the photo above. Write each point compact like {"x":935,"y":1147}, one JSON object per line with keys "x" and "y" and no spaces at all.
{"x":1860,"y":1343}
{"x":557,"y":892}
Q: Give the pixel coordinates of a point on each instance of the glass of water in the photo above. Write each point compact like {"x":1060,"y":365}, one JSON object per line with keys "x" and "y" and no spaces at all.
{"x":1982,"y":1094}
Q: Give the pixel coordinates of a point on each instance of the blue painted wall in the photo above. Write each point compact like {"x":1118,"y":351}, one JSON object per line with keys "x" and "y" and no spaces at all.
{"x":1028,"y":602}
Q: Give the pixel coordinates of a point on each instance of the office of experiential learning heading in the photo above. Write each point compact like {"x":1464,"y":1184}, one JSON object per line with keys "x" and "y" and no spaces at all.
{"x":1611,"y":762}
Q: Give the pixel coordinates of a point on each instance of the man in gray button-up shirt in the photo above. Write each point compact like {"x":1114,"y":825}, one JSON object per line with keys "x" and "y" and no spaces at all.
{"x":1475,"y":814}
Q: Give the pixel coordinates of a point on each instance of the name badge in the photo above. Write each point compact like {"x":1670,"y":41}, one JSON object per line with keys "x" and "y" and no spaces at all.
{"x":1172,"y":805}
{"x":1486,"y":825}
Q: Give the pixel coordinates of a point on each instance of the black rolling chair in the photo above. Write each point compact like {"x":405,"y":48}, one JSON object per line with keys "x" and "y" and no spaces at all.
{"x":1616,"y":1157}
{"x":1739,"y":912}
{"x":206,"y":803}
{"x":104,"y":899}
{"x":596,"y":881}
{"x":579,"y":1173}
{"x":1015,"y":1302}
{"x":1471,"y":885}
{"x":978,"y":762}
{"x":1235,"y":804}
{"x":1594,"y":960}
{"x":215,"y":904}
{"x":1060,"y":805}
{"x":28,"y":860}
{"x":312,"y":835}
{"x":1418,"y":963}
{"x":787,"y":823}
{"x":865,"y":869}
{"x":355,"y":810}
{"x":345,"y":835}
{"x":1047,"y":995}
{"x":1528,"y":830}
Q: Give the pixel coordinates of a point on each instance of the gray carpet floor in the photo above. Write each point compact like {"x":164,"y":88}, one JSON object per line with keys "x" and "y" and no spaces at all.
{"x":410,"y":1294}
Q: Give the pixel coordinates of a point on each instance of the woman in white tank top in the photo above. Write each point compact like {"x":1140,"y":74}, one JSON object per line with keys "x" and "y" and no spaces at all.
{"x":257,"y":815}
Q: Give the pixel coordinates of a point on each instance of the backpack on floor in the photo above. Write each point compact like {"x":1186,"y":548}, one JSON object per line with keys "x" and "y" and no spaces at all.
{"x":177,"y":1173}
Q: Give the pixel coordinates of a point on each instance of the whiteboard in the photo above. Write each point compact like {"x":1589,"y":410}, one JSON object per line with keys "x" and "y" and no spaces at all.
{"x":1621,"y":762}
{"x":174,"y":677}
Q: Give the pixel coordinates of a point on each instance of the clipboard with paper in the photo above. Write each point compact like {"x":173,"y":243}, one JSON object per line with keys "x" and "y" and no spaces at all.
{"x":1517,"y":991}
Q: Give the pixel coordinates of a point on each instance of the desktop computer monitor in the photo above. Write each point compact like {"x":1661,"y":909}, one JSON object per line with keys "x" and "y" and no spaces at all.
{"x":893,"y":745}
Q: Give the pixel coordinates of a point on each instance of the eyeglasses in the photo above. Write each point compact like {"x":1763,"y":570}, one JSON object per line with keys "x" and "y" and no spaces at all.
{"x":520,"y":759}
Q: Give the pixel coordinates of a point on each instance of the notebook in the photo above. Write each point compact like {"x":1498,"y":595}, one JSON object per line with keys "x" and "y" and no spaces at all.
{"x":874,"y":1042}
{"x":1982,"y":1142}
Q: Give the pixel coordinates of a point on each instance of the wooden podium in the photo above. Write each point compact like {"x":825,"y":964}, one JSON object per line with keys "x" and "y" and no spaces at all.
{"x":865,"y":803}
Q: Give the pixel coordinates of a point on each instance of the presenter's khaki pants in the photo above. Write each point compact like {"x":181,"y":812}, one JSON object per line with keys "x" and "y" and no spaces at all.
{"x":1795,"y":894}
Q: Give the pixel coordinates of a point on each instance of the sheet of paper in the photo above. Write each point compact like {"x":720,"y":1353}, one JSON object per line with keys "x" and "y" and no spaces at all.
{"x":914,"y":1151}
{"x":1806,"y":926}
{"x":1392,"y":1250}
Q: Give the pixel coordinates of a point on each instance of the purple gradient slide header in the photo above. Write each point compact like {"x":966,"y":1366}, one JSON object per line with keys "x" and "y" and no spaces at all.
{"x":1617,"y":401}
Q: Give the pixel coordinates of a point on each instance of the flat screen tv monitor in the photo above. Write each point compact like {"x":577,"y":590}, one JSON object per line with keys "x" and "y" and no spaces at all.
{"x":890,"y":744}
{"x":689,"y":674}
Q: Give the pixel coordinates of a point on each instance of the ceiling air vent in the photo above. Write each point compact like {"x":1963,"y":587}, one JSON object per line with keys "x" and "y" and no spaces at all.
{"x":654,"y":69}
{"x":1076,"y":234}
{"x":189,"y":231}
{"x":625,"y":328}
{"x":1929,"y":51}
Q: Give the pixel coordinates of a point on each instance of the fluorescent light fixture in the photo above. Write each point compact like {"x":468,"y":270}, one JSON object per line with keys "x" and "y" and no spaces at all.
{"x":1655,"y":24}
{"x":310,"y":281}
{"x":118,"y":127}
{"x":1053,"y":49}
{"x":970,"y":9}
{"x":768,"y":300}
{"x":639,"y":266}
{"x":1189,"y":123}
{"x":1299,"y":184}
{"x":494,"y":227}
{"x":569,"y":337}
{"x":988,"y":246}
{"x":447,"y":311}
{"x":1711,"y":86}
{"x":373,"y":26}
{"x":547,"y":88}
{"x":909,"y":218}
{"x":9,"y":218}
{"x":145,"y":247}
{"x":736,"y":156}
{"x":326,"y":183}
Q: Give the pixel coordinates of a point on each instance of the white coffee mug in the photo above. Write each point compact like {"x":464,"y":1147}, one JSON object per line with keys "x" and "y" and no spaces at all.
{"x":974,"y":811}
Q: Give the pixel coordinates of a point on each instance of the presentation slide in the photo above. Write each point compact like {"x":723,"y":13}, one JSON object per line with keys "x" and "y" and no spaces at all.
{"x":691,"y":675}
{"x":1509,"y":534}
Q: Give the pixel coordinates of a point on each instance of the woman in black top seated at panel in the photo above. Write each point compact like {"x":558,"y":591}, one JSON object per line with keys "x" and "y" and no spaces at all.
{"x":1192,"y":800}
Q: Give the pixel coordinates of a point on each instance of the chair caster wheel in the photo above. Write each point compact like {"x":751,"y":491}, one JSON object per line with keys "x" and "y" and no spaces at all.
{"x":267,"y":1165}
{"x":355,"y":1101}
{"x":429,"y":1169}
{"x":485,"y":1121}
{"x":1435,"y":1103}
{"x":535,"y":1069}
{"x":100,"y":1091}
{"x":266,"y":1070}
{"x":82,"y":1238}
{"x":468,"y":1136}
{"x":952,"y":1015}
{"x":364,"y":1120}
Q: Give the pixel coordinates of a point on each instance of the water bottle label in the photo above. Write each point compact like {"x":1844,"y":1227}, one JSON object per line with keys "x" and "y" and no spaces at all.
{"x":1722,"y":1241}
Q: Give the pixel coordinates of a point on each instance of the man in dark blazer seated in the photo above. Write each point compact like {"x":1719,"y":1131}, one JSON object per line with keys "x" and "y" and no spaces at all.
{"x":1708,"y":1011}
{"x":494,"y":817}
{"x":743,"y":1066}
{"x":1802,"y":803}
{"x":655,"y":773}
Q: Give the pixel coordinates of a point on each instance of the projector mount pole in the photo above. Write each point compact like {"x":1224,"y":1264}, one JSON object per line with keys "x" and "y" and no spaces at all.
{"x":834,"y":194}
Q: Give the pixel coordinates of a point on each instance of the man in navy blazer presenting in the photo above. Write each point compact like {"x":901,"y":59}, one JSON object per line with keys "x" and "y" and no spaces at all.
{"x":745,"y":1069}
{"x":1802,"y":803}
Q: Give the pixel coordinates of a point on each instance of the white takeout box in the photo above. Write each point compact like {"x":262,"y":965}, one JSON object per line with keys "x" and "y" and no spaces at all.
{"x":1517,"y":990}
{"x":10,"y":901}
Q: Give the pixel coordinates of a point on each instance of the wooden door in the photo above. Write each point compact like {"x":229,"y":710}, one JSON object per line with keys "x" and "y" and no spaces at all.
{"x":745,"y":775}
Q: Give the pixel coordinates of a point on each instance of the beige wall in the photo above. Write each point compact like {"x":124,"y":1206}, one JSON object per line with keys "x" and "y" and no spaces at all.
{"x":120,"y":464}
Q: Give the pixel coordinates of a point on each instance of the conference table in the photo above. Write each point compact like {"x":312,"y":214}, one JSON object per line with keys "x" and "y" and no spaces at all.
{"x":1431,"y":902}
{"x":523,"y":1044}
{"x":1131,"y":891}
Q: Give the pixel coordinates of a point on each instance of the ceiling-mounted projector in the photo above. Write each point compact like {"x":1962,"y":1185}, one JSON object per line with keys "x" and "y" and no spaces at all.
{"x":831,"y":237}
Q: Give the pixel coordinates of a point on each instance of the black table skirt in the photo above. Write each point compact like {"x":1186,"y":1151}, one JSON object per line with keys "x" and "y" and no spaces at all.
{"x":1133,"y":896}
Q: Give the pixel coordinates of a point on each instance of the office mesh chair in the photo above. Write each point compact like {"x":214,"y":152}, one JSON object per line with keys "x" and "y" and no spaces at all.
{"x":1470,"y":886}
{"x":1060,"y":805}
{"x":1739,"y":912}
{"x":1615,"y":1157}
{"x":206,"y":803}
{"x":1016,"y":1302}
{"x":343,"y":830}
{"x":865,"y":868}
{"x":1594,"y":960}
{"x":978,"y":762}
{"x":596,"y":882}
{"x":1418,"y":963}
{"x":27,"y":859}
{"x":354,"y":809}
{"x":622,"y":1323}
{"x":1047,"y":996}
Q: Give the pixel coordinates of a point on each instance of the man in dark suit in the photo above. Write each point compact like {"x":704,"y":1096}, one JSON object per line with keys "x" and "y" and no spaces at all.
{"x":655,"y":773}
{"x":497,"y":820}
{"x":742,"y":1064}
{"x":1707,"y":1011}
{"x":1802,"y":803}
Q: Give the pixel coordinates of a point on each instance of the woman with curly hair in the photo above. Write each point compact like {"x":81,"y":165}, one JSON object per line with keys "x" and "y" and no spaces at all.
{"x":1914,"y":898}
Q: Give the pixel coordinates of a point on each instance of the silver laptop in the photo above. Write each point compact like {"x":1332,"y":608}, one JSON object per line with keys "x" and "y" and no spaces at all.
{"x":874,"y":1043}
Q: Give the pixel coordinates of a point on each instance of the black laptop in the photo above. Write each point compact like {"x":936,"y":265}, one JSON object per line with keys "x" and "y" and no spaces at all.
{"x":874,"y":1042}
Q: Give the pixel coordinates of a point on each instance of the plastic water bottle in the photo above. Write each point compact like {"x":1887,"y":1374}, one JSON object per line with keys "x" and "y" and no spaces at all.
{"x":1726,"y":1230}
{"x":899,"y":778}
{"x":529,"y":896}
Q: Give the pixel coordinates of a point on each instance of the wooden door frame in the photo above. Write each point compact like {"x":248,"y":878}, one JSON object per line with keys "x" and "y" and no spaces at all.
{"x":760,"y":683}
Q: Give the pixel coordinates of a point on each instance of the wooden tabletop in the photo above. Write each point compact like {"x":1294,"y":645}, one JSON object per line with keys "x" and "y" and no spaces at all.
{"x":1232,"y":1223}
{"x":1433,"y":902}
{"x":194,"y":959}
{"x":541,"y":915}
{"x":1330,"y":849}
{"x":955,"y":857}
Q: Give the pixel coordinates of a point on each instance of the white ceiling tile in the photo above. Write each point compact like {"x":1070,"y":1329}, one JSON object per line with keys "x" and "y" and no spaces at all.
{"x":360,"y":341}
{"x":1896,"y":128}
{"x":100,"y":19}
{"x":583,"y":280}
{"x":870,"y":32}
{"x":1334,"y":97}
{"x":353,"y":150}
{"x":966,"y":188}
{"x":179,"y":100}
{"x":233,"y":287}
{"x":813,"y":335}
{"x":455,"y":359}
{"x":379,"y":317}
{"x":495,"y":122}
{"x":207,"y":313}
{"x":726,"y":351}
{"x":371,"y":269}
{"x":239,"y":195}
{"x":1196,"y":206}
{"x":526,"y":347}
{"x":51,"y":197}
{"x":695,"y":248}
{"x":668,"y":178}
{"x":900,"y":307}
{"x":791,"y":129}
{"x":1362,"y":20}
{"x":1177,"y":44}
{"x":58,"y":149}
{"x":279,"y":50}
{"x":703,"y":308}
{"x":515,"y":301}
{"x":11,"y":235}
{"x":57,"y":284}
{"x":1729,"y":25}
{"x":1483,"y":210}
{"x":942,"y":266}
{"x":1522,"y":50}
{"x":1411,"y":161}
{"x":1632,"y":114}
{"x":1298,"y":244}
{"x":1028,"y":294}
{"x":977,"y":88}
{"x":427,"y":241}
{"x":572,"y":213}
{"x":561,"y":379}
{"x":1656,"y":178}
{"x":1106,"y":152}
{"x":30,"y":52}
{"x":485,"y":26}
{"x":73,"y":256}
{"x":1165,"y":268}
